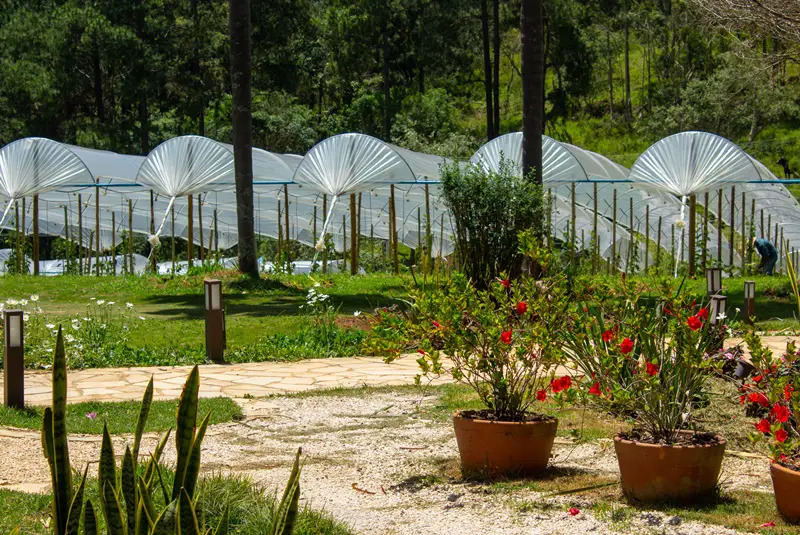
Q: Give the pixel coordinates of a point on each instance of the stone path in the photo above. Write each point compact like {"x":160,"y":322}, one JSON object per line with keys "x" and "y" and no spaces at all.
{"x":256,"y":379}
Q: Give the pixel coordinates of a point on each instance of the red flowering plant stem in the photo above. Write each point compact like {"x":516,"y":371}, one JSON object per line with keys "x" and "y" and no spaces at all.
{"x":643,"y":356}
{"x":770,"y":396}
{"x":504,"y":341}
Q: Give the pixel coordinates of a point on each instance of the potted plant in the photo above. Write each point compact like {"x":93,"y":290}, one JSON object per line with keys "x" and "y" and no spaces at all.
{"x":770,"y":397}
{"x":649,"y":360}
{"x":505,"y":343}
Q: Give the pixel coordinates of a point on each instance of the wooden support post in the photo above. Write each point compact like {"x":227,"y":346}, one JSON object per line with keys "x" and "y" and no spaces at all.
{"x":358,"y":227}
{"x":216,"y":237}
{"x":762,"y":224}
{"x":704,"y":259}
{"x":280,"y":234}
{"x":672,"y":251}
{"x":719,"y":227}
{"x":314,"y":228}
{"x":646,"y":238}
{"x":428,"y":235}
{"x":80,"y":234}
{"x":17,"y":240}
{"x":131,"y":265}
{"x":595,"y":237}
{"x":113,"y":243}
{"x":190,"y":244}
{"x":629,"y":267}
{"x":36,"y":235}
{"x":393,"y":229}
{"x":353,"y":236}
{"x":200,"y":227}
{"x":692,"y":234}
{"x":752,"y":230}
{"x":89,"y":254}
{"x":67,"y":233}
{"x":419,"y":248}
{"x":732,"y":229}
{"x":614,"y":234}
{"x":97,"y":229}
{"x":780,"y":249}
{"x":744,"y":231}
{"x":23,"y":240}
{"x":172,"y":231}
{"x":324,"y":237}
{"x":287,"y":234}
{"x":572,"y":235}
{"x":153,"y":252}
{"x":769,"y":229}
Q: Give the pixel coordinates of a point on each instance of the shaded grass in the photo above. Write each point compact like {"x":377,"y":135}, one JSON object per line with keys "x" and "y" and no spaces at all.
{"x":121,"y":416}
{"x":251,"y":508}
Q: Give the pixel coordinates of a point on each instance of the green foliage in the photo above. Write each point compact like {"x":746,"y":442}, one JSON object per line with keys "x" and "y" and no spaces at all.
{"x":138,"y":514}
{"x":646,"y":359}
{"x":489,"y":210}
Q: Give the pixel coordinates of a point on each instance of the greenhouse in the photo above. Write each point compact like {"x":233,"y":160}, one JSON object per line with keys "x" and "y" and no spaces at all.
{"x":184,"y":188}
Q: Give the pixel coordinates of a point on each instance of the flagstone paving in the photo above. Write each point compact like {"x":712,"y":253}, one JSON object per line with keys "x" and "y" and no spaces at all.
{"x":256,"y":379}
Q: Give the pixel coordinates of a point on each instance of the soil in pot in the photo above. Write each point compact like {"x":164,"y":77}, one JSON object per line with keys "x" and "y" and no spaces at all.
{"x":786,"y":483}
{"x":494,"y":448}
{"x":685,"y":471}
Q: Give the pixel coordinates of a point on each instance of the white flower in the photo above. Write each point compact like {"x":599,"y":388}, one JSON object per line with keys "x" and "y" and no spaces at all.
{"x":50,"y":326}
{"x":112,"y":303}
{"x":129,"y":305}
{"x":69,"y":338}
{"x":320,"y":245}
{"x":23,"y":302}
{"x":34,"y":298}
{"x":142,"y":318}
{"x":101,"y":301}
{"x":76,"y":326}
{"x":154,"y":241}
{"x":12,"y":302}
{"x":84,"y":319}
{"x":25,"y":317}
{"x":680,"y":224}
{"x":92,"y":298}
{"x":317,"y":285}
{"x":721,"y":316}
{"x":738,"y":310}
{"x":357,"y":313}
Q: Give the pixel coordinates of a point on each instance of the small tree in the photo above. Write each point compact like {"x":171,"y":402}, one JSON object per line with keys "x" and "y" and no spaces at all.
{"x":489,"y":210}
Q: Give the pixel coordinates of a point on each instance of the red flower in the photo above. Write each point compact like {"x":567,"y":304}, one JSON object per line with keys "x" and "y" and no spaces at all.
{"x":758,"y":378}
{"x":763,"y":426}
{"x":741,"y":399}
{"x":667,"y":311}
{"x":522,"y":307}
{"x":574,"y":511}
{"x":506,"y":284}
{"x":768,"y":525}
{"x":626,"y":346}
{"x":756,"y":397}
{"x":541,"y":395}
{"x":694,"y":322}
{"x":781,"y":413}
{"x":781,"y":435}
{"x":421,"y":351}
{"x":437,"y":324}
{"x":608,"y":335}
{"x":563,"y":383}
{"x":595,"y":390}
{"x":787,"y":392}
{"x":703,"y":313}
{"x":652,"y":369}
{"x":505,"y":337}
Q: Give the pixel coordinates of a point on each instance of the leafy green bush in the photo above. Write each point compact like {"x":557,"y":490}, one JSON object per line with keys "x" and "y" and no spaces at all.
{"x":489,"y":210}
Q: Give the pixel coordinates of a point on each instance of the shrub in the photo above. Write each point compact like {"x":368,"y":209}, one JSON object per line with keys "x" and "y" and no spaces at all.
{"x":489,"y":210}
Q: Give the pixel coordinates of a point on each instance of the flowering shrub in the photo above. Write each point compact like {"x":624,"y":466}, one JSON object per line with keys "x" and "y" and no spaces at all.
{"x":646,"y":360}
{"x":504,"y":342}
{"x":770,"y":395}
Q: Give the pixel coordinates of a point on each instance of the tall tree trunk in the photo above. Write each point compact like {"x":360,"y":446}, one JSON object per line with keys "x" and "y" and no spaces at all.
{"x":487,"y":70}
{"x":610,"y":76}
{"x":387,"y":83}
{"x":98,"y":84}
{"x":241,"y":76}
{"x":628,"y":110}
{"x":496,"y":16}
{"x":144,"y":121}
{"x":532,"y":66}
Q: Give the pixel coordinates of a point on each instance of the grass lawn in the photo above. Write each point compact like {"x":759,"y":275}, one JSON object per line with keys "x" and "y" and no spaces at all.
{"x":121,"y":416}
{"x":250,"y":513}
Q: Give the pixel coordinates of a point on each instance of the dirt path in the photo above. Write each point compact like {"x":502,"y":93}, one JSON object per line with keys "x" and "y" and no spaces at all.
{"x":374,"y":464}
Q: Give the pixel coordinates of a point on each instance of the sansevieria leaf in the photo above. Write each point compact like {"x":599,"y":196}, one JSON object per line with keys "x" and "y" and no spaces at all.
{"x":188,"y":517}
{"x":184,"y":435}
{"x":165,"y":523}
{"x":75,"y":508}
{"x":106,"y":468}
{"x":63,"y":481}
{"x":193,"y":466}
{"x":89,"y":519}
{"x":144,"y":412}
{"x":113,"y":511}
{"x":128,"y":480}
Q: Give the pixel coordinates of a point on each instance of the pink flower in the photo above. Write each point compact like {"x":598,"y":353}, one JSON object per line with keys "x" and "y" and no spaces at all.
{"x":91,"y":415}
{"x":768,"y":525}
{"x":505,"y":337}
{"x":573,"y":511}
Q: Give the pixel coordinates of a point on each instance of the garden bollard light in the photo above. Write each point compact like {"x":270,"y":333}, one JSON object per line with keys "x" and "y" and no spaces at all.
{"x":749,"y":301}
{"x":13,"y":362}
{"x":718,"y":305}
{"x":713,"y":281}
{"x":215,"y":321}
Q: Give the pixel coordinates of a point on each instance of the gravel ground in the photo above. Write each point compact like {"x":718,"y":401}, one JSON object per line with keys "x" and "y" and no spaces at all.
{"x":374,"y":465}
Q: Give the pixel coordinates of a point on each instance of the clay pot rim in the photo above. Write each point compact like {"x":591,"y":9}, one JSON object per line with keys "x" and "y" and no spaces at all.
{"x":458,"y":416}
{"x":781,"y":468}
{"x":720,"y":444}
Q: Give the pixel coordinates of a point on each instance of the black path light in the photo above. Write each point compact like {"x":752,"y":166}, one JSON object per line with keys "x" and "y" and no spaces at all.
{"x":215,"y":320}
{"x":713,"y":281}
{"x":13,"y":362}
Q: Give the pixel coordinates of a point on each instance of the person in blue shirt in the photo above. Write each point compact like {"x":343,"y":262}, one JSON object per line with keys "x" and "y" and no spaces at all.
{"x":769,"y":255}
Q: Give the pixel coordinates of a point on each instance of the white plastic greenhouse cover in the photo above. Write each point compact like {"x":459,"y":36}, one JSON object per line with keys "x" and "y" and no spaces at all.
{"x":186,"y":165}
{"x":689,"y":163}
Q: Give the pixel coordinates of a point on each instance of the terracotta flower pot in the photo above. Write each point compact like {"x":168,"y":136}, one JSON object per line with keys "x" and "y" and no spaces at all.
{"x":786,"y":483}
{"x":653,"y":472}
{"x":503,"y":448}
